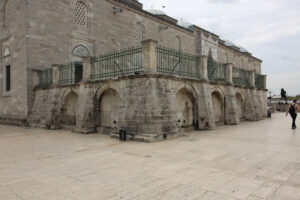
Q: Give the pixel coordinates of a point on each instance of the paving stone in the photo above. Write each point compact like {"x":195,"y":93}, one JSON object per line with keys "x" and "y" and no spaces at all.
{"x":39,"y":164}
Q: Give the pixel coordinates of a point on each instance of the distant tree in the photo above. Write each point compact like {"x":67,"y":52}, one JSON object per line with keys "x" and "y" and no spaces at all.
{"x":283,"y":94}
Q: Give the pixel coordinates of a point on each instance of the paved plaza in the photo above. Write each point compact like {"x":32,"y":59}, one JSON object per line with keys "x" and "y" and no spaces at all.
{"x":252,"y":161}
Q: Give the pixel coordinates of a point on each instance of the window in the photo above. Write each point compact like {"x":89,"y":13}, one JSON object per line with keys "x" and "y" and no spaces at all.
{"x":81,"y":13}
{"x":7,"y":85}
{"x":6,"y":52}
{"x":179,"y":42}
{"x":139,"y":32}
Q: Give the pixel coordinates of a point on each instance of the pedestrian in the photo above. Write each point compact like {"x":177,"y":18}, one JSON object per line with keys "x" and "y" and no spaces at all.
{"x":293,"y":108}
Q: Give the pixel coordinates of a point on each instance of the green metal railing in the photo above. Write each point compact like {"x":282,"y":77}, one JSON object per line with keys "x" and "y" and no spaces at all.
{"x":240,"y":77}
{"x":217,"y":72}
{"x":259,"y":81}
{"x":175,"y":62}
{"x":70,"y":73}
{"x":118,"y":63}
{"x":45,"y":77}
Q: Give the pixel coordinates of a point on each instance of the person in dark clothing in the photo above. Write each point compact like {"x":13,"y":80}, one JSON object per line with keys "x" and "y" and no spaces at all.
{"x":293,"y":108}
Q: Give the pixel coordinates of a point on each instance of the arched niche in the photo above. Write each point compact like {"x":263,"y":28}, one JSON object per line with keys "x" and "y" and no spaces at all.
{"x":218,"y":107}
{"x":186,"y":108}
{"x":108,"y":106}
{"x":69,"y":108}
{"x":240,"y":99}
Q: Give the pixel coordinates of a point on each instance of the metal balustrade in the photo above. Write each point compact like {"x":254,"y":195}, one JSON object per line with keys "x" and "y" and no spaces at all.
{"x":241,"y":77}
{"x":259,"y":81}
{"x":45,"y":78}
{"x":118,"y":63}
{"x":70,"y":73}
{"x":129,"y":62}
{"x":217,"y":72}
{"x":177,"y":63}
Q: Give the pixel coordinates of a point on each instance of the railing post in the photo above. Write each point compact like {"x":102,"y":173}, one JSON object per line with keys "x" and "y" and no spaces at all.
{"x":149,"y":56}
{"x":265,"y":82}
{"x":229,"y":67}
{"x":87,"y":69}
{"x":56,"y":74}
{"x":35,"y":78}
{"x":204,"y":67}
{"x":252,"y":78}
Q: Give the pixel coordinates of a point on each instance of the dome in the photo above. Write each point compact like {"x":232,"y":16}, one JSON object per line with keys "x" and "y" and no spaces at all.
{"x":243,"y":50}
{"x":184,"y":24}
{"x":156,"y":12}
{"x":229,"y":43}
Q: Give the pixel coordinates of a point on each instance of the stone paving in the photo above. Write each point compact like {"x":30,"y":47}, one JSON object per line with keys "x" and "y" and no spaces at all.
{"x":252,"y":161}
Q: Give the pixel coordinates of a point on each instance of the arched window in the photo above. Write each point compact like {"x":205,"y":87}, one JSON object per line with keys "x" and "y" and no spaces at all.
{"x":80,"y":51}
{"x":6,"y":51}
{"x":81,"y":14}
{"x":179,"y":42}
{"x":139,"y":32}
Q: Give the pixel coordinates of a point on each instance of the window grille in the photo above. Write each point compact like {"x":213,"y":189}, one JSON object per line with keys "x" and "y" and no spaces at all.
{"x":139,"y":33}
{"x":81,"y":12}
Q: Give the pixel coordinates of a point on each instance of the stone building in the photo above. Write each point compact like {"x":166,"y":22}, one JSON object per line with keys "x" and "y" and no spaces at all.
{"x":97,"y":65}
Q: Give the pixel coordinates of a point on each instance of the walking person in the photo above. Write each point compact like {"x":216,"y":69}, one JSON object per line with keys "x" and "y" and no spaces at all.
{"x":293,"y":108}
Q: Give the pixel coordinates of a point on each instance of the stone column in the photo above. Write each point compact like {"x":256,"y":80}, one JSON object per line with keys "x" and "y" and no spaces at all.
{"x":56,"y":74}
{"x":229,"y":67}
{"x":203,"y":67}
{"x":252,"y":79}
{"x":87,"y":69}
{"x":149,"y":56}
{"x":35,"y":78}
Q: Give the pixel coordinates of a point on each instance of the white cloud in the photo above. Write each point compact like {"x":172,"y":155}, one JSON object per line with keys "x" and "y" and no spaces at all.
{"x":269,"y":29}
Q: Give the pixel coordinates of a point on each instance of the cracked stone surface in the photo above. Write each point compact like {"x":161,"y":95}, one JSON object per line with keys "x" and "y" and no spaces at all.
{"x":252,"y":161}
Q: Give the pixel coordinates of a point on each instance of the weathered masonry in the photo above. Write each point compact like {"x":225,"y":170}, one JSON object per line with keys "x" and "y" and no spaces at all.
{"x":154,"y":92}
{"x":174,"y":77}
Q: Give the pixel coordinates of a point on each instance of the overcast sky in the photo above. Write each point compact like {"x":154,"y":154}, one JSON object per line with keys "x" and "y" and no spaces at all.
{"x":269,"y":29}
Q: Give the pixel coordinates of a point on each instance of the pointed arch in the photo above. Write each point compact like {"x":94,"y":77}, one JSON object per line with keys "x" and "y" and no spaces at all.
{"x":218,"y":102}
{"x":107,"y":105}
{"x":81,"y":51}
{"x":69,"y":107}
{"x":241,"y":104}
{"x":186,"y":106}
{"x":6,"y":52}
{"x":179,"y":42}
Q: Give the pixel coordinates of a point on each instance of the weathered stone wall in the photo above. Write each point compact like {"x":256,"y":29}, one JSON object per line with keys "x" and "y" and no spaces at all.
{"x":151,"y":107}
{"x":13,"y":103}
{"x":41,"y":33}
{"x":241,"y":60}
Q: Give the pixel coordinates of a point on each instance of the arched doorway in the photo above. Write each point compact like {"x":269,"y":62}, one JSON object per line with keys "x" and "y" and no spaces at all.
{"x":69,"y":109}
{"x":240,"y":105}
{"x":109,"y":105}
{"x":186,"y":108}
{"x":218,"y":107}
